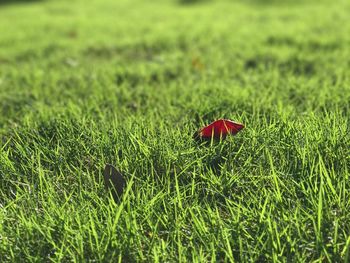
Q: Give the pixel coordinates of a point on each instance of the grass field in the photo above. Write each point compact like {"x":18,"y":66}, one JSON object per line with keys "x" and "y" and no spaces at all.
{"x":85,"y":83}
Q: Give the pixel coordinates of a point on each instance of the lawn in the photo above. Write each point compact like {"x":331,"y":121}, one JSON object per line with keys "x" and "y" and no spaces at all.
{"x":128,"y":82}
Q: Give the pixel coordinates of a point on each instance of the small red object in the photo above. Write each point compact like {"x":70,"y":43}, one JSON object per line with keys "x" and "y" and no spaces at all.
{"x":220,"y":129}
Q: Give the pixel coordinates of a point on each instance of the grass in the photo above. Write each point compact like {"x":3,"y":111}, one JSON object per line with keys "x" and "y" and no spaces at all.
{"x":128,"y":82}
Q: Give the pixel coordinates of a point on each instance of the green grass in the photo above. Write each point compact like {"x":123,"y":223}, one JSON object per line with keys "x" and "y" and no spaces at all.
{"x":85,"y":83}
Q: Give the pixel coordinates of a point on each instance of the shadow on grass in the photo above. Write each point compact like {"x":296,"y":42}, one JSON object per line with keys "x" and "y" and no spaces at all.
{"x":10,"y":2}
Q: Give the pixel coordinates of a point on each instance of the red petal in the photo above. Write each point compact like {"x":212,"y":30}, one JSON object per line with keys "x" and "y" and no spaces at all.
{"x":220,"y":128}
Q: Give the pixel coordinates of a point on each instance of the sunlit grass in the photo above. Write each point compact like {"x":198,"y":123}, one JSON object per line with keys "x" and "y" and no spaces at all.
{"x":128,"y":83}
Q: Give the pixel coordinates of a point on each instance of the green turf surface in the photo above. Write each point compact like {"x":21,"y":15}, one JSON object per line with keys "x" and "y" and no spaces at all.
{"x":85,"y":83}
